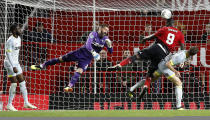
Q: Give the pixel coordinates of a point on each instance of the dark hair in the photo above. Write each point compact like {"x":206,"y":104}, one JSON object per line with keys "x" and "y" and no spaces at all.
{"x":13,"y":27}
{"x":38,"y":24}
{"x":193,"y":51}
{"x":169,"y":22}
{"x":126,"y":50}
{"x":103,"y":25}
{"x":148,"y":25}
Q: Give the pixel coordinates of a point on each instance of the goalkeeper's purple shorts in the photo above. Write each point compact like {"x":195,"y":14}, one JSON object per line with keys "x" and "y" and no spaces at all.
{"x":81,"y":55}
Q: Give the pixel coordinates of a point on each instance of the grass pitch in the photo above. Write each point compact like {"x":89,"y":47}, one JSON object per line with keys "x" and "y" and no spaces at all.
{"x":105,"y":113}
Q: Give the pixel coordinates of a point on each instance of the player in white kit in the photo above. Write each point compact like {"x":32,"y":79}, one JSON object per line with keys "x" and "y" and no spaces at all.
{"x":166,"y":67}
{"x":14,"y":71}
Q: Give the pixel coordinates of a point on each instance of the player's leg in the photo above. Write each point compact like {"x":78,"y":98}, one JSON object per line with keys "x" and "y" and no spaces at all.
{"x":141,"y":83}
{"x":71,"y":56}
{"x":82,"y":66}
{"x":156,"y":75}
{"x":124,"y":62}
{"x":137,"y":85}
{"x":13,"y":85}
{"x":178,"y":90}
{"x":155,"y":54}
{"x":47,"y":63}
{"x":144,"y":54}
{"x":23,"y":88}
{"x":73,"y":80}
{"x":150,"y":76}
{"x":12,"y":92}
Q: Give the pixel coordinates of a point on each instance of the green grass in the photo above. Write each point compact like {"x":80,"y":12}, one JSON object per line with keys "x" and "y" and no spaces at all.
{"x":106,"y":113}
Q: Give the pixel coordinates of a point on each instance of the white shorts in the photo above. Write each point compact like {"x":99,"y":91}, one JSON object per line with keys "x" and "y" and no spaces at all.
{"x":9,"y":68}
{"x":162,"y":69}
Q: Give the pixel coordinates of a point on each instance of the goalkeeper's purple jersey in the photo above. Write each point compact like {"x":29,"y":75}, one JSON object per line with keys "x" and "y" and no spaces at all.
{"x":83,"y":55}
{"x":94,"y":42}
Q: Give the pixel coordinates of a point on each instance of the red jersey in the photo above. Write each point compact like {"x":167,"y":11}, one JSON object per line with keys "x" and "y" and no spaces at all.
{"x":170,"y":36}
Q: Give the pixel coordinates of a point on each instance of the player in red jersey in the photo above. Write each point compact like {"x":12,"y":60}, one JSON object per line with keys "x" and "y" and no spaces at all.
{"x":167,"y":38}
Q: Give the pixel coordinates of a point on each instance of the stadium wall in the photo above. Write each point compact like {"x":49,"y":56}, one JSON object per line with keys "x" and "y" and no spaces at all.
{"x":120,"y":101}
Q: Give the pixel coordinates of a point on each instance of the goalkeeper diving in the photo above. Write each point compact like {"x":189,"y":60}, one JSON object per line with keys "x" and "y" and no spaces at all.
{"x":84,"y":55}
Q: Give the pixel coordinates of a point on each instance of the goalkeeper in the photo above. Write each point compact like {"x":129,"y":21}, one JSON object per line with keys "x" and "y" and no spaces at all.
{"x":94,"y":44}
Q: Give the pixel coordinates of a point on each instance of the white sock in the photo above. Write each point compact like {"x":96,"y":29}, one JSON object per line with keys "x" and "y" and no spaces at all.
{"x":24,"y":92}
{"x":138,"y":84}
{"x":12,"y":91}
{"x":178,"y":92}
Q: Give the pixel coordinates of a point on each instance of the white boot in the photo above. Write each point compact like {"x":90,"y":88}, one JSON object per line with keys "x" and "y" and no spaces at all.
{"x":29,"y":105}
{"x":11,"y":108}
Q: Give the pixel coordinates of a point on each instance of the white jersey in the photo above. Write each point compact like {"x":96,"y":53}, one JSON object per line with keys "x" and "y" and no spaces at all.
{"x":12,"y":48}
{"x":179,"y":57}
{"x":175,"y":59}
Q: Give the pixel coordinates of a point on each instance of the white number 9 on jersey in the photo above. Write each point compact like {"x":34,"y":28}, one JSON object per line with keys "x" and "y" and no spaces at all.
{"x":170,"y":38}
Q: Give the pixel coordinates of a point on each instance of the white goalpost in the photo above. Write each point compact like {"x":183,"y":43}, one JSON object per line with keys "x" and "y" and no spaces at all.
{"x":65,"y":26}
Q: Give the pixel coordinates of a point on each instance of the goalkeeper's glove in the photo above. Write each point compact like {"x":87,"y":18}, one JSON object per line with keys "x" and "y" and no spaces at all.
{"x":109,"y":43}
{"x":95,"y":55}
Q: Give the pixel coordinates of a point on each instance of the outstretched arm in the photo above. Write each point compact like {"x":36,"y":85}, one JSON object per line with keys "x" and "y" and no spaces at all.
{"x":150,"y":37}
{"x":169,"y":64}
{"x":108,"y":45}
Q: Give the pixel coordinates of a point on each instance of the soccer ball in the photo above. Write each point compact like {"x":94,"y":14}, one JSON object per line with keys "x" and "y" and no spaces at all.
{"x":166,"y":14}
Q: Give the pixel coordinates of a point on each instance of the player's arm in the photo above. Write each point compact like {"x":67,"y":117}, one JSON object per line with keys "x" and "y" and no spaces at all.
{"x":108,"y":45}
{"x":175,"y":60}
{"x":90,"y":39}
{"x":153,"y":36}
{"x":169,"y":64}
{"x":150,"y":37}
{"x":9,"y":51}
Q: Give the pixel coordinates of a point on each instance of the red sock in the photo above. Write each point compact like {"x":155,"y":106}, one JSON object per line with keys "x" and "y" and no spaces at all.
{"x":125,"y":62}
{"x":147,"y":82}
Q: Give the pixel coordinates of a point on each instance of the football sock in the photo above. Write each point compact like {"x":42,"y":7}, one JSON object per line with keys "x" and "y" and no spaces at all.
{"x":24,"y":91}
{"x":138,"y":84}
{"x":12,"y":91}
{"x":147,"y":82}
{"x":178,"y":92}
{"x":125,"y":61}
{"x":74,"y":79}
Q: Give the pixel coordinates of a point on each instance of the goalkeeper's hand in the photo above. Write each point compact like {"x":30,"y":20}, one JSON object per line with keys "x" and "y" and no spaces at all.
{"x":109,"y":43}
{"x":95,"y":55}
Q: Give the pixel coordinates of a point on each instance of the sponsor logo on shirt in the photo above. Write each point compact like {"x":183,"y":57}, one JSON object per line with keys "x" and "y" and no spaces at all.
{"x":172,"y":30}
{"x":97,"y":44}
{"x":91,"y":36}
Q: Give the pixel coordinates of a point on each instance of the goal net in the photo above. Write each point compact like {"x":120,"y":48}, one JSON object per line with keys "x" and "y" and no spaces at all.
{"x":52,"y":28}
